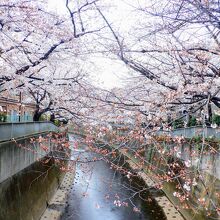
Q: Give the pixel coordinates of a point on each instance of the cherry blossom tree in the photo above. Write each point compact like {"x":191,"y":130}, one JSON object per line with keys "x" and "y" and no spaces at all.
{"x":40,"y":52}
{"x":176,"y":51}
{"x":172,"y":50}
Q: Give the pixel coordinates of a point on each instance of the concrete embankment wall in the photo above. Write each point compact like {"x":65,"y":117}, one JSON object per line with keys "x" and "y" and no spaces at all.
{"x":25,"y":195}
{"x":28,"y":178}
{"x":18,"y":154}
{"x":206,"y":177}
{"x":10,"y":131}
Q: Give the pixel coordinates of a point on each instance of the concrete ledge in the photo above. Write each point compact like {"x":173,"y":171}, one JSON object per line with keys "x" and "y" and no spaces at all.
{"x":169,"y":209}
{"x":9,"y":131}
{"x":57,"y":205}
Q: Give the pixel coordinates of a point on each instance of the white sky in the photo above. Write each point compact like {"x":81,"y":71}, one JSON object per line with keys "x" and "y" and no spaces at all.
{"x":109,"y":73}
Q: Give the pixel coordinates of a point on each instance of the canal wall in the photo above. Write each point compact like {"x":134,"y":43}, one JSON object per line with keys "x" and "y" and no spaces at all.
{"x":169,"y":209}
{"x":203,"y":196}
{"x":196,"y":151}
{"x":18,"y":154}
{"x":25,"y":195}
{"x":203,"y":173}
{"x":160,"y":201}
{"x":20,"y":145}
{"x":10,"y":131}
{"x":29,"y":175}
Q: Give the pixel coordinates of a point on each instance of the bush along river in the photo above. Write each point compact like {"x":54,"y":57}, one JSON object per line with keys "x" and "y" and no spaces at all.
{"x":99,"y":192}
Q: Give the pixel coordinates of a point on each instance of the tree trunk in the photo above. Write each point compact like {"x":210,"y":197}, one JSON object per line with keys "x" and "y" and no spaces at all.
{"x":52,"y":117}
{"x":209,"y":114}
{"x":37,"y":115}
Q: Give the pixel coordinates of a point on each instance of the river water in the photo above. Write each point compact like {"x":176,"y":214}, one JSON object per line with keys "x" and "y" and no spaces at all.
{"x":98,"y":191}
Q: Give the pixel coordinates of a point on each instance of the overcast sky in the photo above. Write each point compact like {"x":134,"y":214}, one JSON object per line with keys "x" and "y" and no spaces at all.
{"x":109,"y":73}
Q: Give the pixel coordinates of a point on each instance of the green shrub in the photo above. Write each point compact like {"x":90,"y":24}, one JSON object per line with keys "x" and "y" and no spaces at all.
{"x":3,"y":117}
{"x":178,"y":123}
{"x":43,"y":118}
{"x":216,"y":119}
{"x":57,"y":122}
{"x":197,"y":139}
{"x":192,"y":121}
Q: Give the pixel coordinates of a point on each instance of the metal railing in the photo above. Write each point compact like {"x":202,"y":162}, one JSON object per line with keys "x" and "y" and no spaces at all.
{"x":9,"y":131}
{"x":17,"y":118}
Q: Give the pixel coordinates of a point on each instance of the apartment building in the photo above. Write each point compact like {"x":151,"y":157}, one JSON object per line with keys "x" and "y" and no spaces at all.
{"x":13,"y":108}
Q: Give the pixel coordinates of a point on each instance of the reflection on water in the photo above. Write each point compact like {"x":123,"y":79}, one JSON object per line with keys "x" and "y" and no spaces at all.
{"x":97,"y":187}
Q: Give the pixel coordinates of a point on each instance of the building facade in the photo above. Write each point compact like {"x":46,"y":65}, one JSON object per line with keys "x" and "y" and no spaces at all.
{"x":14,"y":109}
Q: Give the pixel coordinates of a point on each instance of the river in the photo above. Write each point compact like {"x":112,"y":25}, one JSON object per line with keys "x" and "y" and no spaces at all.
{"x":101,"y":193}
